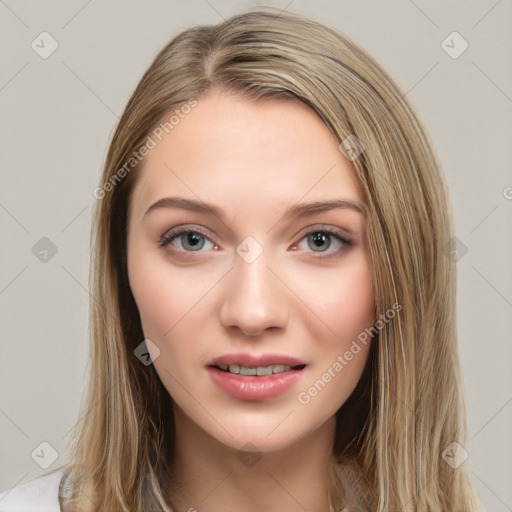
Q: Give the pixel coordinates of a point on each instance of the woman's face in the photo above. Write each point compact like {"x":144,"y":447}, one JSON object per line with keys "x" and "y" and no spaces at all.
{"x":234,"y":274}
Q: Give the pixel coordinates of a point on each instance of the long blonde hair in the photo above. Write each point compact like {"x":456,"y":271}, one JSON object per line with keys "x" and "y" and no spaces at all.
{"x":408,"y":406}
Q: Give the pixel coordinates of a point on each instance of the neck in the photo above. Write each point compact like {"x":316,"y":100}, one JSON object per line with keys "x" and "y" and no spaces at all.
{"x":209,"y":476}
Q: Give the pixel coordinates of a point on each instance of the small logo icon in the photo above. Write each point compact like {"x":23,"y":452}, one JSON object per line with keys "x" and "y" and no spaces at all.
{"x":454,"y":45}
{"x":455,"y":249}
{"x":44,"y":455}
{"x":44,"y":45}
{"x":351,"y":147}
{"x":147,"y":352}
{"x":44,"y":250}
{"x":455,"y":455}
{"x":249,"y":249}
{"x":249,"y":455}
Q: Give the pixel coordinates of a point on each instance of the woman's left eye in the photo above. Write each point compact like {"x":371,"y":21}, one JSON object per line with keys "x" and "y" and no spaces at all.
{"x":326,"y":240}
{"x":322,"y":240}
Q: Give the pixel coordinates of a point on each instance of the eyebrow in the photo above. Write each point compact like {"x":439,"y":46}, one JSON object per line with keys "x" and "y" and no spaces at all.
{"x":296,"y":210}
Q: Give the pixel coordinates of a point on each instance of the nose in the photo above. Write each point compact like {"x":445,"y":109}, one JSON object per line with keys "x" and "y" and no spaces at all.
{"x":254,"y":298}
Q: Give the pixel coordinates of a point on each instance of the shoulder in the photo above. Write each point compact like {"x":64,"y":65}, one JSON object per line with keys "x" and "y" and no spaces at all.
{"x":37,"y":495}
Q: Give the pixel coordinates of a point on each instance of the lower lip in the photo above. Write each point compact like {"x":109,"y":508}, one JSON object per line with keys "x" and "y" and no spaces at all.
{"x":254,"y":388}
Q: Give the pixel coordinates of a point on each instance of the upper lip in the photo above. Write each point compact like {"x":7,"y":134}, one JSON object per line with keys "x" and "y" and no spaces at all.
{"x":252,"y":360}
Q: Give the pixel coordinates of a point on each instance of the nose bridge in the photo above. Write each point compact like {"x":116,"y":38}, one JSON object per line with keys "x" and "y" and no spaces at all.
{"x":254,"y":298}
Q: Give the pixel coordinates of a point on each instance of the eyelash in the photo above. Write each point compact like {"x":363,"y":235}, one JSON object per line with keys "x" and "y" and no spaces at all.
{"x":172,"y":234}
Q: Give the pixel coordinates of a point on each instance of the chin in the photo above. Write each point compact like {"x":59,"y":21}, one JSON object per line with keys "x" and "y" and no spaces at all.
{"x":266,"y":436}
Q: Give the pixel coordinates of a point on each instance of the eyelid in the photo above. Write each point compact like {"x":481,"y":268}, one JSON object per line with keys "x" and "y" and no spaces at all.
{"x":342,"y":234}
{"x":184,"y":228}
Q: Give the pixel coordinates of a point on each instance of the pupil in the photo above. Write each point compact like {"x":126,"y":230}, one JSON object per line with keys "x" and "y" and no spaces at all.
{"x":193,"y":240}
{"x":319,"y":239}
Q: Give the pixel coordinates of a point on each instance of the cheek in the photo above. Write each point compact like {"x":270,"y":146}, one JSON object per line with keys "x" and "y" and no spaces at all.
{"x":158,"y":306}
{"x":342,"y":301}
{"x":164,"y":296}
{"x":350,"y":312}
{"x":172,"y":311}
{"x":348,"y":309}
{"x":354,"y":309}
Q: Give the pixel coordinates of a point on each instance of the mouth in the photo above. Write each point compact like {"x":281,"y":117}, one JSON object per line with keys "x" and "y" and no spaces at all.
{"x":259,"y":371}
{"x":257,"y":377}
{"x":261,"y":365}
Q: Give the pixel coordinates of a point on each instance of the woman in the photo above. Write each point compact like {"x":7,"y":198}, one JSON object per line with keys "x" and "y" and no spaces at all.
{"x":273,"y":323}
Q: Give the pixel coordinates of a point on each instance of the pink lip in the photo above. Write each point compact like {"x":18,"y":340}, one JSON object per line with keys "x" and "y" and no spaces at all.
{"x":252,"y":360}
{"x":252,"y":388}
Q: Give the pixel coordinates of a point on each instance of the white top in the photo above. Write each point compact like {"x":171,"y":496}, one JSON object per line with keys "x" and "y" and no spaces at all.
{"x":38,"y":495}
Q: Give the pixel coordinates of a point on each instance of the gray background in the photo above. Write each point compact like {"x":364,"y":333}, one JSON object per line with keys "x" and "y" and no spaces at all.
{"x":58,"y":115}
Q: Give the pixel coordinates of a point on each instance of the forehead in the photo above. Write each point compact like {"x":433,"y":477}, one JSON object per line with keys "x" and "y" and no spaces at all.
{"x":235,"y":151}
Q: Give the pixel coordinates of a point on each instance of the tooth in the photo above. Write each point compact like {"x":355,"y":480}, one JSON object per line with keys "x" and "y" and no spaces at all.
{"x":259,"y":370}
{"x":278,"y":368}
{"x":247,"y":371}
{"x":264,"y":370}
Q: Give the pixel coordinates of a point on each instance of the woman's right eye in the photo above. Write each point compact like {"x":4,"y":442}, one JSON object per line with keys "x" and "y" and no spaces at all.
{"x":186,"y":240}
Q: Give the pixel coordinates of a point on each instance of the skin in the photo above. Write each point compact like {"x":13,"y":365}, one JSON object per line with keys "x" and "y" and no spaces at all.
{"x":252,"y":160}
